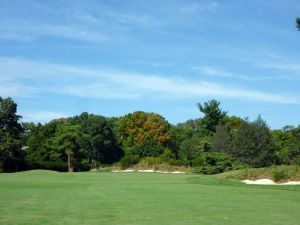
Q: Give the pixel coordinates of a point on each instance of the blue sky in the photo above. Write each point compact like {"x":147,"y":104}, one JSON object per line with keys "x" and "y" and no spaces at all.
{"x":60,"y":58}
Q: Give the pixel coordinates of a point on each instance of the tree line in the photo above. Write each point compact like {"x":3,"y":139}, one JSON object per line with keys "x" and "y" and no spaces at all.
{"x":213,"y":143}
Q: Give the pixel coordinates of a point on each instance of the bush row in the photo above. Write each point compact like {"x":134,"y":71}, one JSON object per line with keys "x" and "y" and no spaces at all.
{"x":17,"y":165}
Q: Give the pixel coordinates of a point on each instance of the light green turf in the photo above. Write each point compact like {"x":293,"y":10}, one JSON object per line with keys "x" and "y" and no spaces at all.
{"x":46,"y":197}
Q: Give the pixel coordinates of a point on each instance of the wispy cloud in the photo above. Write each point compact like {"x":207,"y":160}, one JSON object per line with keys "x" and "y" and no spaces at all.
{"x":199,"y":7}
{"x":74,"y":23}
{"x":17,"y":30}
{"x":42,"y":116}
{"x":115,"y":84}
{"x":98,"y":22}
{"x":152,"y":63}
{"x":279,"y":66}
{"x":215,"y":72}
{"x":16,"y":89}
{"x":211,"y":71}
{"x":284,"y":66}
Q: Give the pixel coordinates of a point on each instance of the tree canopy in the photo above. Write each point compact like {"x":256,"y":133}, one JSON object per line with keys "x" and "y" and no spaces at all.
{"x":213,"y":115}
{"x":298,"y":23}
{"x":11,"y":152}
{"x":137,"y":127}
{"x":253,"y":144}
{"x":214,"y":143}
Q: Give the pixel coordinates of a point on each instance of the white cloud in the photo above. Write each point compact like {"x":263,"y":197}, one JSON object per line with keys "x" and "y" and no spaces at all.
{"x":151,"y":63}
{"x":15,"y":89}
{"x":214,"y":72}
{"x":77,"y":21}
{"x":291,"y":67}
{"x":211,"y":71}
{"x":282,"y":67}
{"x":44,"y":77}
{"x":199,"y":7}
{"x":17,"y":30}
{"x":42,"y":116}
{"x":98,"y":22}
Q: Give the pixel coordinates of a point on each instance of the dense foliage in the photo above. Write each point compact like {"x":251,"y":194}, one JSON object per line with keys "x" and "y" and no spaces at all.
{"x":138,"y":127}
{"x":11,"y":152}
{"x":213,"y":115}
{"x":254,"y":145}
{"x":80,"y":140}
{"x":212,"y":144}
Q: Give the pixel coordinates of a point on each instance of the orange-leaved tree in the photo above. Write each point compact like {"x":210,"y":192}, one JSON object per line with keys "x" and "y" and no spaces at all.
{"x":138,"y":127}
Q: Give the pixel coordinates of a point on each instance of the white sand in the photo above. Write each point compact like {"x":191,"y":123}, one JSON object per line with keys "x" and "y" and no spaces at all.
{"x":178,"y":172}
{"x":146,"y":171}
{"x":117,"y":171}
{"x":269,"y":182}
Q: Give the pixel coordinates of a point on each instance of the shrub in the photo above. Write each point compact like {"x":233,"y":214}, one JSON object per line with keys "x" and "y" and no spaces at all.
{"x":129,"y":160}
{"x":167,"y":155}
{"x":82,"y":166}
{"x":178,"y":162}
{"x":151,"y":161}
{"x":237,"y":165}
{"x":148,"y":148}
{"x":13,"y":165}
{"x":49,"y":165}
{"x":214,"y":162}
{"x":59,"y":166}
{"x":280,"y":174}
{"x":294,"y":170}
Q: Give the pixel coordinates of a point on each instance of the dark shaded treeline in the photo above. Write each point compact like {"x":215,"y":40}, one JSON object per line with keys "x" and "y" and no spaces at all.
{"x":214,"y":143}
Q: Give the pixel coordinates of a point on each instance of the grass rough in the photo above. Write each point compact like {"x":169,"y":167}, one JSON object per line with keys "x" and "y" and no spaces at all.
{"x":276,"y":173}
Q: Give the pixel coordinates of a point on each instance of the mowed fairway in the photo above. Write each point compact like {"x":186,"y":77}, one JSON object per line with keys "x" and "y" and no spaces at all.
{"x":46,"y":197}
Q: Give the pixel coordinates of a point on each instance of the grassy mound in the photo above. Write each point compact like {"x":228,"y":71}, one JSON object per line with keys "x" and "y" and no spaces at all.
{"x":276,"y":173}
{"x":148,"y":163}
{"x":157,"y":165}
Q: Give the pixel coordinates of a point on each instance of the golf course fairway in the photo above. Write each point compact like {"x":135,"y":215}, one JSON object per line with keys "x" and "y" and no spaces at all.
{"x":48,"y":197}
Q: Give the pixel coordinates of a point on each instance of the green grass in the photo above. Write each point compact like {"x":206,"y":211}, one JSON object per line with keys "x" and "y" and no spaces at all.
{"x":46,"y":197}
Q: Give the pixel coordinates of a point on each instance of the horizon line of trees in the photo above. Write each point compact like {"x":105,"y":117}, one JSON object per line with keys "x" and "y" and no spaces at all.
{"x":214,"y":143}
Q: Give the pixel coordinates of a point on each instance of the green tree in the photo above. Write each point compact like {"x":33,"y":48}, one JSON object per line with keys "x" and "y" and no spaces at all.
{"x":70,"y":141}
{"x":193,"y":124}
{"x":253,"y":144}
{"x":234,"y":122}
{"x":148,"y":148}
{"x":11,"y":152}
{"x":178,"y":134}
{"x":298,"y":23}
{"x":215,"y":162}
{"x":222,"y":139}
{"x":213,"y":115}
{"x":97,"y":142}
{"x":287,"y":141}
{"x":103,"y":145}
{"x":39,"y":141}
{"x":190,"y":149}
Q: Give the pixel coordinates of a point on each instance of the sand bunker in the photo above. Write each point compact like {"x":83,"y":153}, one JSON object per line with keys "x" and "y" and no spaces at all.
{"x":147,"y":171}
{"x":270,"y":182}
{"x":124,"y":171}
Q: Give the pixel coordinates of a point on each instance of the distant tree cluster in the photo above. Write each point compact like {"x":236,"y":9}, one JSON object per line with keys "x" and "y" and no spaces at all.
{"x":82,"y":141}
{"x":211,"y":144}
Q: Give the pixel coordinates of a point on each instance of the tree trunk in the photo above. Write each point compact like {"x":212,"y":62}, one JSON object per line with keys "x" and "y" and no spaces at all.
{"x":70,"y":162}
{"x":94,"y":163}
